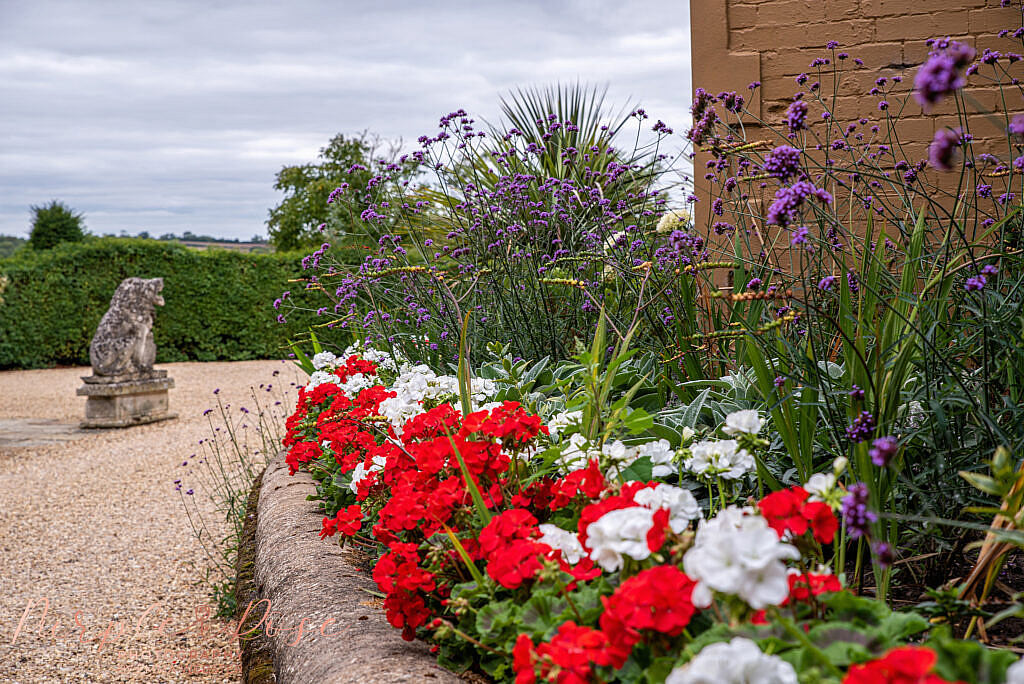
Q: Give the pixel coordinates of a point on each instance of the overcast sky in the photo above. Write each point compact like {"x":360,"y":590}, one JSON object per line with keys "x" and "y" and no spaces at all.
{"x":172,"y":116}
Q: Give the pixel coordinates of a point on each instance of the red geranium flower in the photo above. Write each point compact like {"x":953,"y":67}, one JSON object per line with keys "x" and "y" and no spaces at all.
{"x":903,"y":665}
{"x":348,"y":521}
{"x":656,"y":599}
{"x":823,"y":521}
{"x":574,"y":650}
{"x":788,"y":510}
{"x":516,"y":562}
{"x":303,"y":452}
{"x":588,"y":481}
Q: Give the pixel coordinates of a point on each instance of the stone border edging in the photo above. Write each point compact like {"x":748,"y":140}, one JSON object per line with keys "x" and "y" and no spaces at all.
{"x":308,"y":579}
{"x":257,"y":661}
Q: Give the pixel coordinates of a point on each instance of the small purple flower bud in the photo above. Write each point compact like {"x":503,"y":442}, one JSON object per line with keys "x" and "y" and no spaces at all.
{"x":883,"y":554}
{"x":883,"y":449}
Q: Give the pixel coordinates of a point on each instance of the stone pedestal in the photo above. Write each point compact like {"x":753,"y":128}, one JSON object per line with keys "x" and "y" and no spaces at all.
{"x":125,"y":400}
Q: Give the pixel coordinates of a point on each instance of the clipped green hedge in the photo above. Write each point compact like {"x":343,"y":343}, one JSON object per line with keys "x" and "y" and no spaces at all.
{"x":218,"y":302}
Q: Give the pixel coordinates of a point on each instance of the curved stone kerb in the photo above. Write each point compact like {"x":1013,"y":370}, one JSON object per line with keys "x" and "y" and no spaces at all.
{"x":308,"y":581}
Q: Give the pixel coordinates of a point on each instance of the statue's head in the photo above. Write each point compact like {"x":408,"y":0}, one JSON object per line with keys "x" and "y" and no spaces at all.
{"x":140,"y":295}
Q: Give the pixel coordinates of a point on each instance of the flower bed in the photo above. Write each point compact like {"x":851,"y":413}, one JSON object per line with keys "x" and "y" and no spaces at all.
{"x":527,"y":551}
{"x":783,"y":444}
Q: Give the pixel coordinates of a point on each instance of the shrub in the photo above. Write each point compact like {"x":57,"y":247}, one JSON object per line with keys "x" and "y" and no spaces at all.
{"x":53,"y":224}
{"x":217,"y":301}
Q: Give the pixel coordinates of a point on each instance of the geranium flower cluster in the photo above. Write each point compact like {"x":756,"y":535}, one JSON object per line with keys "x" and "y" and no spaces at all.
{"x":455,"y":501}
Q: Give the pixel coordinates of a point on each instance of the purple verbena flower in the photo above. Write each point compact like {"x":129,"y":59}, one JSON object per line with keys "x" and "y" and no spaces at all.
{"x":789,"y":200}
{"x":943,"y":148}
{"x":796,"y":116}
{"x":942,"y":73}
{"x":856,"y":514}
{"x":975,"y":283}
{"x":826,"y":283}
{"x":883,"y":449}
{"x":1016,"y":126}
{"x":856,"y":393}
{"x":783,"y":162}
{"x":861,"y":427}
{"x":883,"y":554}
{"x":852,"y":282}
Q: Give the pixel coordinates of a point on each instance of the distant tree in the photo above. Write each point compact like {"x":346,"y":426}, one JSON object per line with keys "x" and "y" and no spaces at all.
{"x":9,"y":244}
{"x":295,"y":222}
{"x":53,"y":224}
{"x":144,"y":235}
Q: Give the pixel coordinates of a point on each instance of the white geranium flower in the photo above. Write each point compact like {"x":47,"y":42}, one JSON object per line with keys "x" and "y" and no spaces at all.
{"x":356,"y":384}
{"x":615,"y":451}
{"x":415,"y":384}
{"x":702,"y":457}
{"x":739,"y":661}
{"x":560,"y":421}
{"x":1015,"y":673}
{"x":719,"y":457}
{"x":575,"y":454}
{"x":619,"y":456}
{"x":617,"y":533}
{"x":360,"y":472}
{"x":661,"y":454}
{"x":741,"y":463}
{"x":819,"y":485}
{"x":747,"y":421}
{"x":384,"y":360}
{"x":737,"y":553}
{"x":688,"y":433}
{"x":321,"y":378}
{"x":325,"y":359}
{"x":682,"y":507}
{"x":566,"y":542}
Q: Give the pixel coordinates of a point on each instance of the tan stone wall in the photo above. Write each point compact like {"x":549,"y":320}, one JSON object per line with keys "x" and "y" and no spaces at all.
{"x":735,"y":42}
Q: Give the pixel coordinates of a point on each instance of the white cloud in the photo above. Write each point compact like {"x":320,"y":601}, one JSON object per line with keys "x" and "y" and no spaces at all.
{"x":169,"y":116}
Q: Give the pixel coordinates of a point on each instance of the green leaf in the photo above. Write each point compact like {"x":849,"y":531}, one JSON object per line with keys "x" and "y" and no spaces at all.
{"x":494,"y":618}
{"x":968,"y":661}
{"x":535,"y":370}
{"x":640,"y":470}
{"x":898,"y":626}
{"x":541,"y":615}
{"x":985,"y":483}
{"x":637,"y":421}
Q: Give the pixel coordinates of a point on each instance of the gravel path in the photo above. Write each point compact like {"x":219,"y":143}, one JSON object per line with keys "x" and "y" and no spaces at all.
{"x":94,"y":525}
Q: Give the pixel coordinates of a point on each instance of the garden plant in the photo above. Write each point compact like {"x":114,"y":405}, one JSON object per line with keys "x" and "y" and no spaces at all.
{"x":579,"y":437}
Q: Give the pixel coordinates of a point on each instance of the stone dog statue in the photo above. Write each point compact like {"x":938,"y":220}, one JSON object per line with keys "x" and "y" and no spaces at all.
{"x":123,"y":344}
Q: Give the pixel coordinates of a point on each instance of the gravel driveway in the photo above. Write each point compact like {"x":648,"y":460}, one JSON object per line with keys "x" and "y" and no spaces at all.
{"x":91,"y":523}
